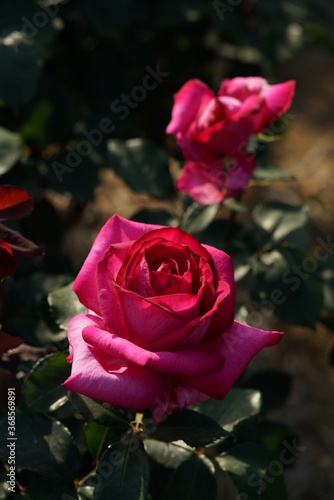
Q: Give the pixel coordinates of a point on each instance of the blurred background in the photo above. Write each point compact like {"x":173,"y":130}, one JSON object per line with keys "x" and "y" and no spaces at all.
{"x":86,"y":92}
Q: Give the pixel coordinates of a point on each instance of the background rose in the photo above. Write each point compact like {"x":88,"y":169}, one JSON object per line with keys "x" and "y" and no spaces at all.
{"x":209,"y":127}
{"x":160,"y":330}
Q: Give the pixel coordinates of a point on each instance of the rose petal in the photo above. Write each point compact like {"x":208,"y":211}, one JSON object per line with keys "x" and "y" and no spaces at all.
{"x":140,"y":281}
{"x":171,"y":284}
{"x":147,"y":322}
{"x":230,"y":105}
{"x":211,"y":183}
{"x":252,"y":105}
{"x":183,"y":304}
{"x":278,"y":100}
{"x":172,"y":239}
{"x":224,"y":317}
{"x":242,"y":87}
{"x":7,"y":261}
{"x":118,"y":232}
{"x":190,"y":362}
{"x":199,"y":181}
{"x":161,"y":281}
{"x":111,"y":306}
{"x":15,"y":203}
{"x":196,"y":151}
{"x":239,"y":174}
{"x":226,"y":137}
{"x":22,"y":247}
{"x":187,"y":101}
{"x":182,"y":396}
{"x":97,"y":376}
{"x":238,"y":345}
{"x":194,"y":331}
{"x":213,"y":112}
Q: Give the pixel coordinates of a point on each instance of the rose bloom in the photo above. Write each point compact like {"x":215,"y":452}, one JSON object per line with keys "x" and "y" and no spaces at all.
{"x":159,"y":332}
{"x":208,"y":127}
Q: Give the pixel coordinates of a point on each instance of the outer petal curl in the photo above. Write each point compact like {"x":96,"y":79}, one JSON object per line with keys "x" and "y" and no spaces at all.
{"x":238,"y":346}
{"x":112,"y":380}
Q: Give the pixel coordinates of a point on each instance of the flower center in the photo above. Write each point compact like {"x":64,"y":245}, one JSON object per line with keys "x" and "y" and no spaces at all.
{"x":170,"y":267}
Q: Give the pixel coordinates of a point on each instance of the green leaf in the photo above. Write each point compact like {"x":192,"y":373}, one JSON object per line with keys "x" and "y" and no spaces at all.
{"x":274,"y":223}
{"x":247,"y":464}
{"x":10,"y":146}
{"x":169,"y":455}
{"x":198,"y":217}
{"x":286,"y":285}
{"x":274,"y":386}
{"x":98,"y":437}
{"x":123,"y":471}
{"x":192,"y":480}
{"x":28,"y":312}
{"x":42,"y":391}
{"x":44,"y":446}
{"x":142,"y":165}
{"x":36,"y":124}
{"x":102,"y":413}
{"x":20,"y":69}
{"x":193,"y":428}
{"x":238,"y":404}
{"x":235,"y":205}
{"x":64,"y":305}
{"x":269,"y":172}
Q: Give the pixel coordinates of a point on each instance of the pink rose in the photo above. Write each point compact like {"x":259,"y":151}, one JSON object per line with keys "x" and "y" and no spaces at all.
{"x":159,"y":332}
{"x":209,"y":127}
{"x":212,"y":183}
